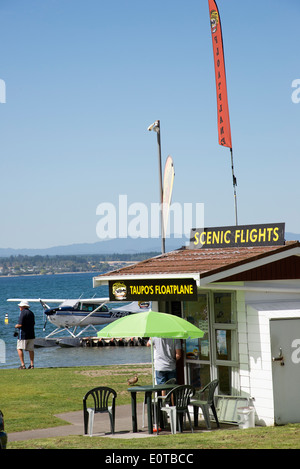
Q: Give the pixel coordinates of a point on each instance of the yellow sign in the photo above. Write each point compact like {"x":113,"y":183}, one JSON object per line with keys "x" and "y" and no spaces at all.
{"x":134,"y":290}
{"x":238,"y":236}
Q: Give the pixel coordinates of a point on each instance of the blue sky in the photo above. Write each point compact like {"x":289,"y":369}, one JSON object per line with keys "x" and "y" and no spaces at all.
{"x":84,"y":80}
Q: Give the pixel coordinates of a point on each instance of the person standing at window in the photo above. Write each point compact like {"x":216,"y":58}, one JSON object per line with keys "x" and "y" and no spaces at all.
{"x":166,"y":353}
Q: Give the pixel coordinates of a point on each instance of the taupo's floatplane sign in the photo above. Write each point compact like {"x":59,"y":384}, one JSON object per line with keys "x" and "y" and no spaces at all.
{"x":271,"y":234}
{"x":135,"y":290}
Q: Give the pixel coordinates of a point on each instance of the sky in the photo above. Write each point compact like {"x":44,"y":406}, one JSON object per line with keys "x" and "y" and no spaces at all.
{"x":85,"y":78}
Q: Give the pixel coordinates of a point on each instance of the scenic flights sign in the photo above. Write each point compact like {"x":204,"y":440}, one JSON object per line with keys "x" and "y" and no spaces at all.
{"x":139,"y":290}
{"x":271,"y":234}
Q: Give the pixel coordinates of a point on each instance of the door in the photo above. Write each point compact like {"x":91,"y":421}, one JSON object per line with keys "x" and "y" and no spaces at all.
{"x":285,"y":350}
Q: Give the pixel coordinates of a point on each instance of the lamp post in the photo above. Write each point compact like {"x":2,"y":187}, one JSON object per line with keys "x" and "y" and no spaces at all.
{"x":156,"y":128}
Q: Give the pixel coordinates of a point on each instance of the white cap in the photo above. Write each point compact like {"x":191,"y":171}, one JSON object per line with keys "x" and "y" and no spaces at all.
{"x":25,"y":304}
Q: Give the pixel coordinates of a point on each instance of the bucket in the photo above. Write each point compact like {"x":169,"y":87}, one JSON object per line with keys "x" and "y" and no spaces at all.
{"x":246,"y":417}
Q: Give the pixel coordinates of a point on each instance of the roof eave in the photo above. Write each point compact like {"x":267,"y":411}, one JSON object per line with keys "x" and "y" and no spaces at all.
{"x":248,"y":264}
{"x":215,"y":275}
{"x":98,"y":281}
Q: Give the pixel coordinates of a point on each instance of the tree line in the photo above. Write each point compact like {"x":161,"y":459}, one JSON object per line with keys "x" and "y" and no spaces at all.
{"x":33,"y":265}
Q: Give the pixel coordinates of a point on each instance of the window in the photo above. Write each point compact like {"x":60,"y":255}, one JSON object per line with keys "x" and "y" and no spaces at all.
{"x":215,"y":355}
{"x":225,"y":339}
{"x":198,"y":351}
{"x":223,"y":311}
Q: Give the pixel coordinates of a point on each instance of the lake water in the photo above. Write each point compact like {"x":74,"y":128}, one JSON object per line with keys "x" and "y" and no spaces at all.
{"x":56,"y":286}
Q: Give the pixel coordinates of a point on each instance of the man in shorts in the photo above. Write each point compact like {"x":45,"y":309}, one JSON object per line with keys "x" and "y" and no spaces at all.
{"x":26,"y":338}
{"x":166,"y":353}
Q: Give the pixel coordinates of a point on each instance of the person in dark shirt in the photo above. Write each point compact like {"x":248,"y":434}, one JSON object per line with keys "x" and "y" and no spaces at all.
{"x":26,"y":338}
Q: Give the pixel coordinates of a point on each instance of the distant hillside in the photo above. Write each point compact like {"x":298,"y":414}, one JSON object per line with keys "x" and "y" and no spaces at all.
{"x":113,"y":246}
{"x":292,"y":237}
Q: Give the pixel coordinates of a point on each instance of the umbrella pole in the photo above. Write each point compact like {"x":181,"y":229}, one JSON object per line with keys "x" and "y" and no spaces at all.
{"x":152,"y":361}
{"x":153,"y":384}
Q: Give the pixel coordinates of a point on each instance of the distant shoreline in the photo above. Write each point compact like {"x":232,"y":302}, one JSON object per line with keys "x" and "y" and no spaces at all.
{"x":40,"y":265}
{"x":49,"y":275}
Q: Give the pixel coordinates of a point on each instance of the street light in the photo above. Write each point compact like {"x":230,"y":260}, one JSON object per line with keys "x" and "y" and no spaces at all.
{"x":156,"y":128}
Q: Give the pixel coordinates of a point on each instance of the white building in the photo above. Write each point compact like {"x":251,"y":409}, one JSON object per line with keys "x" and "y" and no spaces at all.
{"x":247,"y":301}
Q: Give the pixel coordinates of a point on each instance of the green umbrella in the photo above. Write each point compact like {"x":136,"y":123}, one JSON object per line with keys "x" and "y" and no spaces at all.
{"x":151,"y":324}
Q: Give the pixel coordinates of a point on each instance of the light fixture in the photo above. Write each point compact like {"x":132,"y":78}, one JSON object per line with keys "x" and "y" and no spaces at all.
{"x":154,"y":127}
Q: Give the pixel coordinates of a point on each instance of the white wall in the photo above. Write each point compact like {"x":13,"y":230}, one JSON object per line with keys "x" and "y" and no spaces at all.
{"x":254,"y":311}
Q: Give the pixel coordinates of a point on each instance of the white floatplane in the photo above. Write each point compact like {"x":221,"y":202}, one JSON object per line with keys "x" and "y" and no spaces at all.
{"x":84,"y":313}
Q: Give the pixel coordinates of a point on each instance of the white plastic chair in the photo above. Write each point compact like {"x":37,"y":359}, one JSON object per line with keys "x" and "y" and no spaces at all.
{"x":171,"y":412}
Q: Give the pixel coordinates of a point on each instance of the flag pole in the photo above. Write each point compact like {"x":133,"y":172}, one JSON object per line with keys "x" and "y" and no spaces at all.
{"x":160,"y":188}
{"x":234,"y":181}
{"x":221,"y":89}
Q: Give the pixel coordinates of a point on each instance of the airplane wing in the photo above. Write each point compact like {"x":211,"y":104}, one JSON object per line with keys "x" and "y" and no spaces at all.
{"x":37,"y":300}
{"x":93,"y":300}
{"x":59,"y":300}
{"x":135,"y":307}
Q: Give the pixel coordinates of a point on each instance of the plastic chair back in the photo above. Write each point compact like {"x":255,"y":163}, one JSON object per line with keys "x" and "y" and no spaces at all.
{"x":206,"y":403}
{"x":182,"y":395}
{"x":103,"y":400}
{"x":210,"y":390}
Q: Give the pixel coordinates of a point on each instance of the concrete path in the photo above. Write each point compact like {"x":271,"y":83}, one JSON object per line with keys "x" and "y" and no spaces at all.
{"x":101,"y":426}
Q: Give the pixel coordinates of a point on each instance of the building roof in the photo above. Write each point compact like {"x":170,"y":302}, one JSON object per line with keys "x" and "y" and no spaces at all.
{"x":204,"y":265}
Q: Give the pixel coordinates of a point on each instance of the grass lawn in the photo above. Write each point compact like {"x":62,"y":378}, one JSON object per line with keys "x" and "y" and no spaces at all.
{"x":285,"y":437}
{"x":30,"y":398}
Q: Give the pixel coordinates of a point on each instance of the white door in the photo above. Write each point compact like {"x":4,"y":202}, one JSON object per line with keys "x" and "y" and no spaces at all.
{"x":285,"y":349}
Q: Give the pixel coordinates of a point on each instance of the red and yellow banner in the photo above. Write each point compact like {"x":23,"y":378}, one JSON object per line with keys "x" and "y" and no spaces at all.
{"x":221,"y":88}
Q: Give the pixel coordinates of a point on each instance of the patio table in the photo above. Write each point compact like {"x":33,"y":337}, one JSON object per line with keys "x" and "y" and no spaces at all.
{"x":147,"y":390}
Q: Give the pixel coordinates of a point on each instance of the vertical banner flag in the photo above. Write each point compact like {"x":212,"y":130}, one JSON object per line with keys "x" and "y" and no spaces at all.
{"x":222,"y":101}
{"x":169,"y":174}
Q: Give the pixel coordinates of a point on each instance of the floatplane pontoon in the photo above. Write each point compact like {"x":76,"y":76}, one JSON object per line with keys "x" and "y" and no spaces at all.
{"x":72,"y":314}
